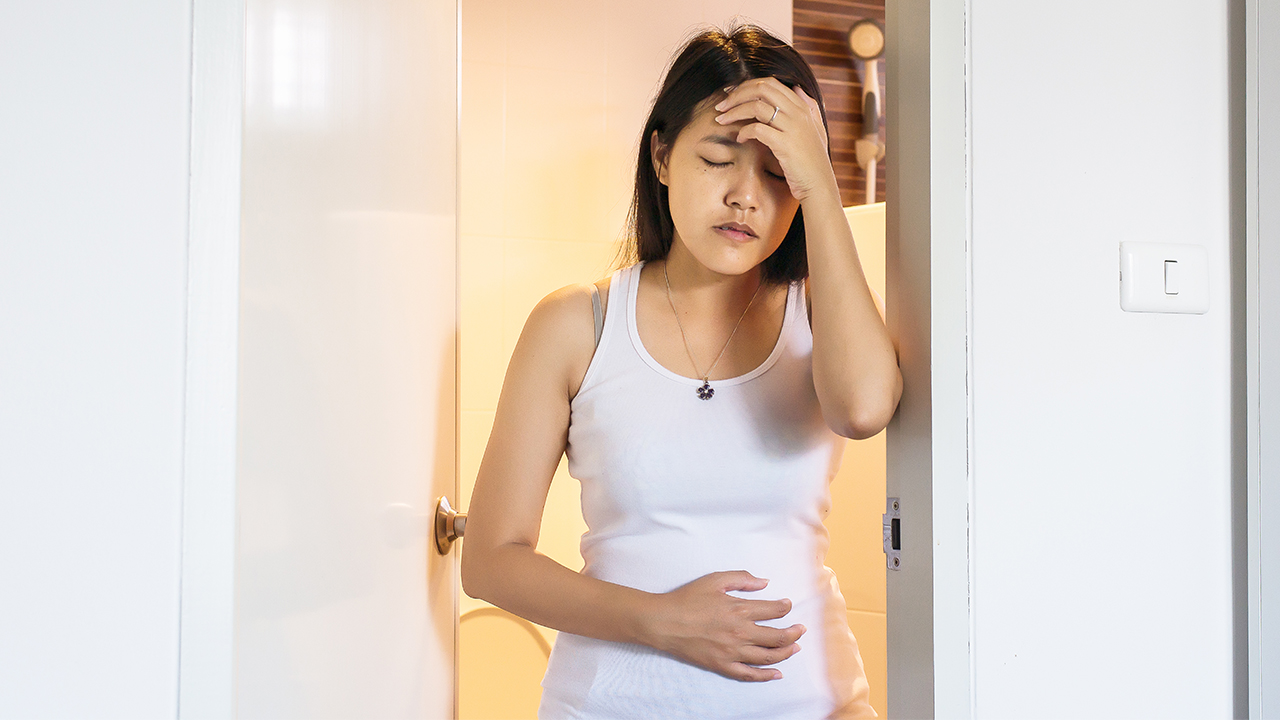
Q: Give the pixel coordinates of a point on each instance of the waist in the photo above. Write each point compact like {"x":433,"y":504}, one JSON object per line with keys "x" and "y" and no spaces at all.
{"x":659,"y":562}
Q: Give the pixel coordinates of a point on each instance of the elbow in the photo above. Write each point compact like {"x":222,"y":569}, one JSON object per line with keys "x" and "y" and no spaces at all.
{"x":485,"y":569}
{"x":472,"y":573}
{"x":861,"y":426}
{"x":868,"y":429}
{"x":866,"y":417}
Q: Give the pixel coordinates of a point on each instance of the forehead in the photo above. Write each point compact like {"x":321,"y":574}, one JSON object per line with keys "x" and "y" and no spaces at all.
{"x":704,"y":113}
{"x":704,"y":130}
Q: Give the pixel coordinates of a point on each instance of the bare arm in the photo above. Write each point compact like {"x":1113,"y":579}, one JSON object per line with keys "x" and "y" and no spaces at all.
{"x":698,"y":622}
{"x":855,"y":365}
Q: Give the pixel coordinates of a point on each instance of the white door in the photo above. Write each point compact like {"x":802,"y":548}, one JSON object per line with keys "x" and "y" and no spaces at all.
{"x":346,"y":390}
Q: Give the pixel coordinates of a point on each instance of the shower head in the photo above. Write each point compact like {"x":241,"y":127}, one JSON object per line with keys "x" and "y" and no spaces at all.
{"x":866,"y":39}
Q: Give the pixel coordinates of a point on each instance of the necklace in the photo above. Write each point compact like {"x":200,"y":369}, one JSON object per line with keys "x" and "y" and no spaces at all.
{"x":705,"y":391}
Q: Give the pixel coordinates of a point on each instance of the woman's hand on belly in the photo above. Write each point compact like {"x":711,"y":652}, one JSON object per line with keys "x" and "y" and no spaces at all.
{"x":702,"y":624}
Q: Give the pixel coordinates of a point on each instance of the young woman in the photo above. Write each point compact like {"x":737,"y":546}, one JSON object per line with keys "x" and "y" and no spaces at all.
{"x":703,"y":418}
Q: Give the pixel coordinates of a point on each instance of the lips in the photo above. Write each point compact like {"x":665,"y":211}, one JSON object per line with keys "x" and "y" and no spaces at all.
{"x":736,"y":231}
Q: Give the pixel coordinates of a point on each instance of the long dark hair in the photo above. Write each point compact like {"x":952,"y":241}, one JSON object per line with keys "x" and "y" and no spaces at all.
{"x":709,"y":62}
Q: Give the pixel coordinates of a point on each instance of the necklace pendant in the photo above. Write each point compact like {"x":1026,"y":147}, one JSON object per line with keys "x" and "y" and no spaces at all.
{"x":706,"y":391}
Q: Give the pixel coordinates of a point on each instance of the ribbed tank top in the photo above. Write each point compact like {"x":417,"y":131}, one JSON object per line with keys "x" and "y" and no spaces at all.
{"x":675,"y":487}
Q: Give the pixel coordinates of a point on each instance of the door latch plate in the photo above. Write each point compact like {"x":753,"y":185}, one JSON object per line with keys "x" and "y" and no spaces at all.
{"x":892,"y":519}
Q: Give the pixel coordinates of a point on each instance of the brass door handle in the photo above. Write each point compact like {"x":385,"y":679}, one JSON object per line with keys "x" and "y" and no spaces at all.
{"x":450,"y":525}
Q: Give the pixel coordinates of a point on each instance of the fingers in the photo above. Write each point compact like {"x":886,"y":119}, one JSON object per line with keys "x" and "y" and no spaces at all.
{"x":768,"y":647}
{"x":767,"y":90}
{"x":768,"y":656}
{"x":756,"y":110}
{"x":804,"y":96}
{"x":739,"y":580}
{"x":767,"y":637}
{"x":766,"y":134}
{"x":720,"y":632}
{"x":770,"y":111}
{"x":756,"y":610}
{"x":747,"y":673}
{"x":815,"y":113}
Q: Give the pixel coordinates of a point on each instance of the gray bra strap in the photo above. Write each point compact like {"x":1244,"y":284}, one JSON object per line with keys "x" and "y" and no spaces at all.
{"x":595,"y":310}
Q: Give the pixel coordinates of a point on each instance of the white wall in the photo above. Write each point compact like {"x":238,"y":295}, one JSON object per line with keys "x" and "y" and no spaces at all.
{"x":93,"y":192}
{"x":1101,"y":577}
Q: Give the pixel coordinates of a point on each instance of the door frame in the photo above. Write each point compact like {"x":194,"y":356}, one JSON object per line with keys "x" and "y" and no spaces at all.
{"x":928,"y":234}
{"x":1255,"y":25}
{"x":206,"y":658}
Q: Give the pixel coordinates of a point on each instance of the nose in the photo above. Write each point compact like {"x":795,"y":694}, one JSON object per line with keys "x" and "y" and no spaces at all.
{"x":746,"y":188}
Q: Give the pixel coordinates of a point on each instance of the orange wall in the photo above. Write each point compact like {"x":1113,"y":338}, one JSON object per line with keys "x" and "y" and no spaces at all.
{"x":858,"y":494}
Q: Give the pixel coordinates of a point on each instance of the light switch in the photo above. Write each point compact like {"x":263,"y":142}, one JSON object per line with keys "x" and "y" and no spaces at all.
{"x":1164,"y":278}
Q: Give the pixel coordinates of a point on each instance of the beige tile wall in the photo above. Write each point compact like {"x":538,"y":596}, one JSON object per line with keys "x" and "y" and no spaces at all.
{"x":553,"y":95}
{"x":857,"y":496}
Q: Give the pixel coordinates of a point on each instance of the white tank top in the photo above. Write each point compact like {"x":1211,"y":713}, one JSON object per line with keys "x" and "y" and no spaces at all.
{"x":675,"y":487}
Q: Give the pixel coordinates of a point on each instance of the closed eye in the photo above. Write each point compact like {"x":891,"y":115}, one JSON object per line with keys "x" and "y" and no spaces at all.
{"x":775,"y":176}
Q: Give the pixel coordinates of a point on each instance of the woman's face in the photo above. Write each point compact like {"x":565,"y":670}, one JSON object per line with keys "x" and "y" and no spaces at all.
{"x":730,"y":202}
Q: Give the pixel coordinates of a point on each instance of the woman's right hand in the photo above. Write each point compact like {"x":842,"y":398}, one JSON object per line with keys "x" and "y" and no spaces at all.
{"x":702,"y":624}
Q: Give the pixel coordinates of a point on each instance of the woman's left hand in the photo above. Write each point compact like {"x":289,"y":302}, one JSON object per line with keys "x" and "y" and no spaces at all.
{"x":793,"y":132}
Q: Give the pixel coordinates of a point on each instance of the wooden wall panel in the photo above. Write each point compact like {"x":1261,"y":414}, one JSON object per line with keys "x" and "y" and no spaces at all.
{"x":819,"y":31}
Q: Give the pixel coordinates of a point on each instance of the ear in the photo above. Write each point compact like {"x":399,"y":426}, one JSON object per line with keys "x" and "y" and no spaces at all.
{"x":658,"y":153}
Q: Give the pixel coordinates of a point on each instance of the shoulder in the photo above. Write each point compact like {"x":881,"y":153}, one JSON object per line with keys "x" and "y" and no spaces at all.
{"x":559,"y":334}
{"x":567,"y":309}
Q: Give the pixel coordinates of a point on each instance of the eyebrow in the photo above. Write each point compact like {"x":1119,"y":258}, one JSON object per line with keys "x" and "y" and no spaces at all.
{"x":721,"y":140}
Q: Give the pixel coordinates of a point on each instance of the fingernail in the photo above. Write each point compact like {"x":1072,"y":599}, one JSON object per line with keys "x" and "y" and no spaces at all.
{"x":720,"y":118}
{"x":720,"y":105}
{"x":777,"y":674}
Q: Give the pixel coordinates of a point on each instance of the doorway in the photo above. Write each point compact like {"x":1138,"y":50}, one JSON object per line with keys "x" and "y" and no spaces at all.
{"x":543,"y":202}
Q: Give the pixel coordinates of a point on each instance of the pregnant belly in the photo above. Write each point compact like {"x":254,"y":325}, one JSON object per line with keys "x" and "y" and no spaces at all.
{"x":792,"y":565}
{"x":602,"y":679}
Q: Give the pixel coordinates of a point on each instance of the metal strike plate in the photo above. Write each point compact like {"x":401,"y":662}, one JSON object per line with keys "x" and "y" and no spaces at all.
{"x":892,"y":519}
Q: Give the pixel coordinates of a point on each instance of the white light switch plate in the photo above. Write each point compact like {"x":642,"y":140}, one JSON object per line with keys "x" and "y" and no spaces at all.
{"x":1143,"y":273}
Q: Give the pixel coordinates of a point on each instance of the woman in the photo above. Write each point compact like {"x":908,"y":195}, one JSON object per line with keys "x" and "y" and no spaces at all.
{"x":703,"y":418}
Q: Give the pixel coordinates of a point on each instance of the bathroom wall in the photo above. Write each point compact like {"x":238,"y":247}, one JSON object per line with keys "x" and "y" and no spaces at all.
{"x":93,"y":225}
{"x":1100,"y":447}
{"x":548,"y":140}
{"x":858,"y":496}
{"x":822,"y":36}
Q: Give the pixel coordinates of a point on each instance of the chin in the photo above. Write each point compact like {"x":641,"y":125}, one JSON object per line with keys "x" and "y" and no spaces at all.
{"x":730,"y":263}
{"x":734,"y":260}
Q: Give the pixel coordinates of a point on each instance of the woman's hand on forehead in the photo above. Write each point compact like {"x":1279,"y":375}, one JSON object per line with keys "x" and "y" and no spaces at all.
{"x":789,"y":123}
